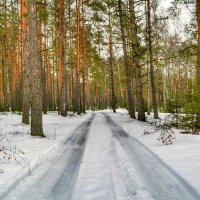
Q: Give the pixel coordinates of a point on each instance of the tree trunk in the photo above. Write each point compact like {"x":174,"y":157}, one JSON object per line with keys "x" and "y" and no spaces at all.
{"x":113,"y":97}
{"x":9,"y":62}
{"x":136,"y":61}
{"x":25,"y":63}
{"x":5,"y":62}
{"x":77,"y":87}
{"x":198,"y":59}
{"x":36,"y":72}
{"x":153,"y":86}
{"x":63,"y":96}
{"x":131,"y":104}
{"x":84,"y":59}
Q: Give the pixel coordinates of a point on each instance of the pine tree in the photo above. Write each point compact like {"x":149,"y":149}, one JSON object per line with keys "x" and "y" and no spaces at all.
{"x":25,"y":63}
{"x":36,"y":72}
{"x":63,"y":95}
{"x":153,"y":86}
{"x":198,"y":59}
{"x":131,"y":106}
{"x":136,"y":61}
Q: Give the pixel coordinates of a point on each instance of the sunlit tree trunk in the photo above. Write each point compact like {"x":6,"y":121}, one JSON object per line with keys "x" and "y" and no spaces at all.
{"x":63,"y":95}
{"x":36,"y":72}
{"x":84,"y":60}
{"x":77,"y":87}
{"x":25,"y":63}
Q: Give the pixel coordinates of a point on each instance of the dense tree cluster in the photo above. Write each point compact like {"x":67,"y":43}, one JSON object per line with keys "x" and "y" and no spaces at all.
{"x":74,"y":55}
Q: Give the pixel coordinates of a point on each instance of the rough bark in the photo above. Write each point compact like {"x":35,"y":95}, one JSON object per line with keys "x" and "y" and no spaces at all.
{"x":77,"y":86}
{"x":112,"y":86}
{"x":25,"y":64}
{"x":84,"y":60}
{"x":131,"y":104}
{"x":63,"y":96}
{"x":153,"y":85}
{"x":36,"y":72}
{"x":5,"y":63}
{"x":136,"y":62}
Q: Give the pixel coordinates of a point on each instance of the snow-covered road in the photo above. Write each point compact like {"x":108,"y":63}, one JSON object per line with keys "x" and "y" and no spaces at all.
{"x":157,"y":178}
{"x":56,"y":179}
{"x":101,"y":161}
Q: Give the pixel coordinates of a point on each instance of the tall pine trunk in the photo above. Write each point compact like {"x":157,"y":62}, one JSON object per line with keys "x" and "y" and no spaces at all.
{"x":136,"y":62}
{"x":36,"y":72}
{"x":77,"y":84}
{"x":153,"y":86}
{"x":198,"y":59}
{"x":112,"y":85}
{"x":25,"y":63}
{"x":131,"y":104}
{"x":63,"y":95}
{"x":5,"y":61}
{"x":84,"y":53}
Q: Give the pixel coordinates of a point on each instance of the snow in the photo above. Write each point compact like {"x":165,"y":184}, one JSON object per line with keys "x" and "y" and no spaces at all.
{"x":99,"y":157}
{"x":37,"y":150}
{"x":182,"y":156}
{"x":94,"y":180}
{"x":104,"y":175}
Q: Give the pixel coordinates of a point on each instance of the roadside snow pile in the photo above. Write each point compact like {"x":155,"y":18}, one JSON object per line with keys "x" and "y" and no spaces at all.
{"x":183,"y":156}
{"x":20,"y":153}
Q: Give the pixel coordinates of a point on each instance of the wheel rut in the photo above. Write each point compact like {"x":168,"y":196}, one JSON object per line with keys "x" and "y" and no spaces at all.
{"x":57,"y":178}
{"x":65,"y":185}
{"x":158,"y":178}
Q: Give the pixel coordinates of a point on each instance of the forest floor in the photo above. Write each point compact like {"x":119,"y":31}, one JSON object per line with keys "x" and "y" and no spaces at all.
{"x":98,"y":156}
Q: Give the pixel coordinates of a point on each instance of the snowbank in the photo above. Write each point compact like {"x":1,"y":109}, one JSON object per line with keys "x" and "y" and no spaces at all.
{"x":35,"y":150}
{"x":183,"y":156}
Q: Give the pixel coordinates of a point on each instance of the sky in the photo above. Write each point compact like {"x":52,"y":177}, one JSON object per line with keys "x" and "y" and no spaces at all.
{"x":185,"y":16}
